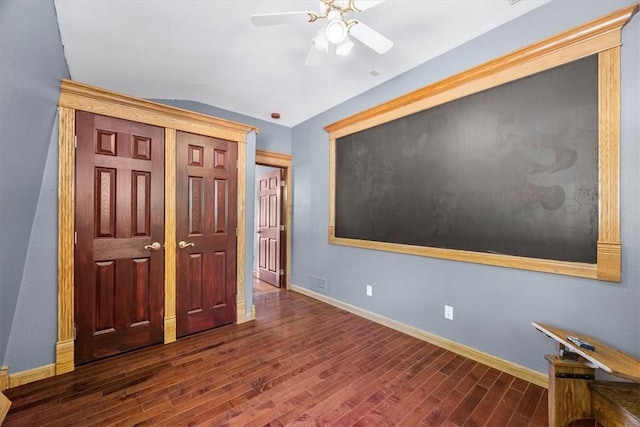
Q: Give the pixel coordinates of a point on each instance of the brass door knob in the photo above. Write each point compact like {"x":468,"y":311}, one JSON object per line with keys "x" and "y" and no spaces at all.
{"x":184,"y":244}
{"x":154,"y":246}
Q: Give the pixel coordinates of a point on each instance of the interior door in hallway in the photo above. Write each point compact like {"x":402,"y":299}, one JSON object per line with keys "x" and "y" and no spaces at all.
{"x":119,"y":219}
{"x":206,"y":217}
{"x":269,"y":227}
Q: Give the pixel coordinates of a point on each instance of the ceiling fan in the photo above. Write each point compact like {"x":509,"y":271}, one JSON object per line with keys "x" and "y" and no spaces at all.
{"x":337,"y":29}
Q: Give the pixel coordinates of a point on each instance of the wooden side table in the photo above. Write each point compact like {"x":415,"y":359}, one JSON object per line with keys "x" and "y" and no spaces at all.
{"x":572,"y":385}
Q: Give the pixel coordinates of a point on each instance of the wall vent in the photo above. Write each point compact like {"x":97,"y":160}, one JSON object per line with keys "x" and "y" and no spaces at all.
{"x":319,"y":284}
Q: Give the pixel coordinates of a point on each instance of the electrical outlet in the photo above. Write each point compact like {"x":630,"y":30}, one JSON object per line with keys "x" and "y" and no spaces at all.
{"x":448,"y":312}
{"x":369,"y":290}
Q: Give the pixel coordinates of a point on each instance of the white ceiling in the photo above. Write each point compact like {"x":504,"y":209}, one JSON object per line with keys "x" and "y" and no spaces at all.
{"x":208,"y":50}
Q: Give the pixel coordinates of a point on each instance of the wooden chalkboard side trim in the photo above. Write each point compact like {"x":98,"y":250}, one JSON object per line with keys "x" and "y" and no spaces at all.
{"x":588,"y":271}
{"x":609,"y":261}
{"x":609,"y":247}
{"x":597,"y":35}
{"x":332,"y":187}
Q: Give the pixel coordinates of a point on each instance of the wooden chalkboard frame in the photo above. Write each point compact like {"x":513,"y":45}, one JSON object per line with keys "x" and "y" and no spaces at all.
{"x":603,"y":37}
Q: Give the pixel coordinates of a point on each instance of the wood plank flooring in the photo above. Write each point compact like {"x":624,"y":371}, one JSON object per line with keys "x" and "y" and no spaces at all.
{"x":262,"y":287}
{"x":300,"y":363}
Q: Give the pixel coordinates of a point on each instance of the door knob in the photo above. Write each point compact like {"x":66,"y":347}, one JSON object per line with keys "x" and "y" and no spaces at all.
{"x":154,"y":246}
{"x":184,"y":244}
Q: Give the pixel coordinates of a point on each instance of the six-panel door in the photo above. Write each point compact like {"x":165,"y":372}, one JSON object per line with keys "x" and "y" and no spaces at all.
{"x":206,"y":215}
{"x":119,"y":217}
{"x":269,"y":232}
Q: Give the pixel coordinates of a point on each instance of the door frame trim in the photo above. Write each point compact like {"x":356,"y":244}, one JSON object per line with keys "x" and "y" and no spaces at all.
{"x":284,"y":162}
{"x":78,"y":96}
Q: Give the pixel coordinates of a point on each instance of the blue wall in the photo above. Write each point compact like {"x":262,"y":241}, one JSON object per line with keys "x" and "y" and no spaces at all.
{"x":493,"y":306}
{"x":31,"y":66}
{"x":34,"y":332}
{"x":271,"y":136}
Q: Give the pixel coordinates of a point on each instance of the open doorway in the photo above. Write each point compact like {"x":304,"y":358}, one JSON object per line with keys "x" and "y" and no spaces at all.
{"x":271,"y":270}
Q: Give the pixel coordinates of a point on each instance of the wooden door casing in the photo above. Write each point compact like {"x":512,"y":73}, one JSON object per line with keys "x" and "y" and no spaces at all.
{"x":76,"y":96}
{"x":269,"y":227}
{"x":206,"y":220}
{"x":118,"y":277}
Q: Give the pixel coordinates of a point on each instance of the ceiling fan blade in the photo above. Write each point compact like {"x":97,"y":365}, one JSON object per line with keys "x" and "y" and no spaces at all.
{"x":366,"y":4}
{"x":280,"y":18}
{"x":313,"y":57}
{"x":370,"y":37}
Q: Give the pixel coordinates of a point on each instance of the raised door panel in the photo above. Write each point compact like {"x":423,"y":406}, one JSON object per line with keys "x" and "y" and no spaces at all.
{"x":269,"y":232}
{"x":119,"y":277}
{"x":206,"y":215}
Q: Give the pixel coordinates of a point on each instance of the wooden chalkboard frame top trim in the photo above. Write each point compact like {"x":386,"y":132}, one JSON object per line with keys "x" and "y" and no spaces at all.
{"x":602,"y":37}
{"x":587,"y":39}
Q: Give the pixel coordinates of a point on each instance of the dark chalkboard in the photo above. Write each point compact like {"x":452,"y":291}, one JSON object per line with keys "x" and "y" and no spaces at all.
{"x":510,"y":170}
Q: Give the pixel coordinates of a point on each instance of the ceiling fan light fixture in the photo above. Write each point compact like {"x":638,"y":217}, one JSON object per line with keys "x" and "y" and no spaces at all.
{"x":336,"y":30}
{"x":344,"y":47}
{"x":320,"y":41}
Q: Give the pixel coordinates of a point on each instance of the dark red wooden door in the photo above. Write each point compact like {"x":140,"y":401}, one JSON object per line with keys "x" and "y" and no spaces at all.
{"x":206,"y":215}
{"x":269,"y":230}
{"x":119,"y":272}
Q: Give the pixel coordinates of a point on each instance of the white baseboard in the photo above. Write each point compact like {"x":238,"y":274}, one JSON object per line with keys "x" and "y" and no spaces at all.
{"x":503,"y":365}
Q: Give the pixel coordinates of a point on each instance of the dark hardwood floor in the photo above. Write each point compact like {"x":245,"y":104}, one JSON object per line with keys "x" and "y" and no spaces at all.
{"x":301,"y":362}
{"x":262,"y":287}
